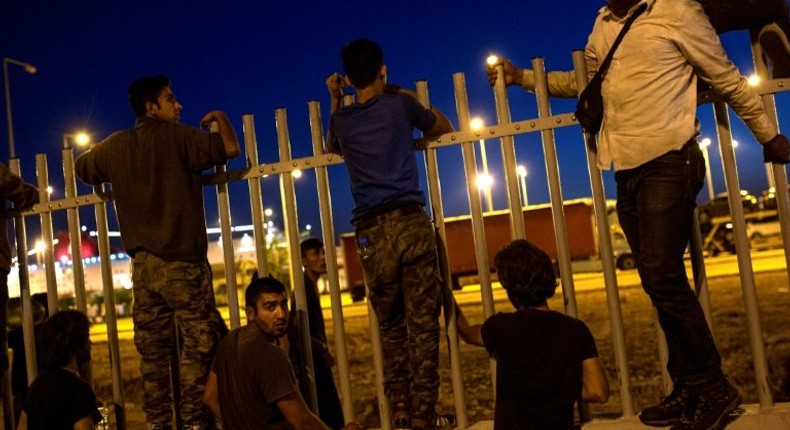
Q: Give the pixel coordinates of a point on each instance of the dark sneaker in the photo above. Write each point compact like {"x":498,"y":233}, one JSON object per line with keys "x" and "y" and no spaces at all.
{"x":439,"y":422}
{"x":774,"y":42}
{"x":401,"y":417}
{"x":710,"y":410}
{"x":669,"y":410}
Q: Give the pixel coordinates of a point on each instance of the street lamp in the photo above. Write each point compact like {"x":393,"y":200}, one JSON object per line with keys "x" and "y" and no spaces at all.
{"x":477,"y":124}
{"x":484,"y":183}
{"x":704,"y":144}
{"x":81,"y":139}
{"x":522,"y":174}
{"x":28,"y":68}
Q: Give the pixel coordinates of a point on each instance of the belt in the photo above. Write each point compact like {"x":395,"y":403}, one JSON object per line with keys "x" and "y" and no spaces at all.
{"x":368,"y":221}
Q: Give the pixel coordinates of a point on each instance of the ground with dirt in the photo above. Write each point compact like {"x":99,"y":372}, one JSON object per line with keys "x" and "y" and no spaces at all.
{"x":730,"y":331}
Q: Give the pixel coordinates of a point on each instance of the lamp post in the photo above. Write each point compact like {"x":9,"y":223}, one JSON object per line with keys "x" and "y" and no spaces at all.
{"x":81,"y":139}
{"x":28,"y":68}
{"x":522,"y":174}
{"x":704,"y":144}
{"x":486,"y":183}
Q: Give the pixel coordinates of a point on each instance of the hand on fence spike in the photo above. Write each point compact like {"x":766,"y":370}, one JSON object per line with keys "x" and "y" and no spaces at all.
{"x":511,"y":72}
{"x":777,"y":150}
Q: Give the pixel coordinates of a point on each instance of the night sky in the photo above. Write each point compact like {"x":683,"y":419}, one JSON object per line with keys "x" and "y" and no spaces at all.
{"x":255,"y":56}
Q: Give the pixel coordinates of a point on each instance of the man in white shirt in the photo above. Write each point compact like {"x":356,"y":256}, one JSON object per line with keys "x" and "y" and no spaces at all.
{"x":649,"y":135}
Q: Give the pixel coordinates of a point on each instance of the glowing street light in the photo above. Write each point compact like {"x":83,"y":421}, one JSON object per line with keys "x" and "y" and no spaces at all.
{"x":477,"y":123}
{"x":484,"y":182}
{"x":268,"y":212}
{"x":29,"y":68}
{"x":81,"y":139}
{"x":753,"y":80}
{"x":521,"y":170}
{"x":704,"y":144}
{"x":492,"y":59}
{"x":297,"y":174}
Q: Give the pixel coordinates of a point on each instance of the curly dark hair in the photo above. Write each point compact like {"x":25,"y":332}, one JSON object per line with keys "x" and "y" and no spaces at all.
{"x":526,"y":273}
{"x":61,"y":337}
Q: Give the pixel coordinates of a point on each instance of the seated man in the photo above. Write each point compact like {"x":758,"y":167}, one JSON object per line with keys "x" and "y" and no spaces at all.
{"x":59,"y":398}
{"x":545,"y":360}
{"x":252,"y":383}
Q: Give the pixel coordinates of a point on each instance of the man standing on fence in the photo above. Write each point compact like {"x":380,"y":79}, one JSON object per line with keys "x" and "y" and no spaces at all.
{"x":155,"y":170}
{"x":23,"y":196}
{"x":649,"y":134}
{"x":395,"y":238}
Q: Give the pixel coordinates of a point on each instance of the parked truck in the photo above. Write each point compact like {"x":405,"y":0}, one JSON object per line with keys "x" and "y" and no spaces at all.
{"x":539,"y":227}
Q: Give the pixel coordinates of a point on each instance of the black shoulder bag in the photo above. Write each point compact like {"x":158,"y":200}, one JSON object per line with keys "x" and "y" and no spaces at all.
{"x":589,"y":110}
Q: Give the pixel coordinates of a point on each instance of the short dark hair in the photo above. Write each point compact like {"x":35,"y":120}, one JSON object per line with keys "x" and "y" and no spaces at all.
{"x":526,"y":273}
{"x":362,"y":60}
{"x":310,"y":243}
{"x":146,"y":89}
{"x":61,"y":337}
{"x":259,"y":286}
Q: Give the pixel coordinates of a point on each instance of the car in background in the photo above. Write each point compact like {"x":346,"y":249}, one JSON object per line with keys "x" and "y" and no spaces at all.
{"x":767,"y":200}
{"x":720,"y":207}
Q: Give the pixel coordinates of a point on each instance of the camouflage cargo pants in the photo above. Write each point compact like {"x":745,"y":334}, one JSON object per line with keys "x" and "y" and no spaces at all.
{"x":398,"y":253}
{"x":168,"y":292}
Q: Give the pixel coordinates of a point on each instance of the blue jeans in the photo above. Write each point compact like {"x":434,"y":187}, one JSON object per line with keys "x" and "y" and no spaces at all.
{"x":655,"y":205}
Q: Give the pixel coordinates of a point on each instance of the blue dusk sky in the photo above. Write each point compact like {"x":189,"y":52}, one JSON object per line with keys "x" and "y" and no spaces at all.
{"x":255,"y":56}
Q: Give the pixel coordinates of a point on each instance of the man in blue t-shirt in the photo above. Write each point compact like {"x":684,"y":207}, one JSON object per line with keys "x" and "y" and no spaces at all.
{"x":545,"y":360}
{"x":395,"y":237}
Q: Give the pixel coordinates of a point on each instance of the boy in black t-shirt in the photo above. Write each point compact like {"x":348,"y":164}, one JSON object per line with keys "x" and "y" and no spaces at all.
{"x":545,"y":360}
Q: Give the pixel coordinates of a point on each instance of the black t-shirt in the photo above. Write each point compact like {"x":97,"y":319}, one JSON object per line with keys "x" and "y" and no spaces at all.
{"x":539,"y":367}
{"x":58,"y":399}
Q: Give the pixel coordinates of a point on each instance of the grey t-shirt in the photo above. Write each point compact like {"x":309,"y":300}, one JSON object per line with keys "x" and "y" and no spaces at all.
{"x":252,"y":374}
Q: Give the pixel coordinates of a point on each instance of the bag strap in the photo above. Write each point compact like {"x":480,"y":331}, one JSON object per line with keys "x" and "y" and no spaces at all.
{"x":608,"y":60}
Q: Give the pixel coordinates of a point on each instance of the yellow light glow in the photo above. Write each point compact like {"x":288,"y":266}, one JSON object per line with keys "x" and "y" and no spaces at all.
{"x":41,"y":246}
{"x":50,"y":190}
{"x":521,"y":170}
{"x":297,"y":174}
{"x":484,"y":181}
{"x":268,"y":212}
{"x":705,"y":142}
{"x":476,"y":123}
{"x":753,"y":80}
{"x":492,"y":60}
{"x":82,"y":138}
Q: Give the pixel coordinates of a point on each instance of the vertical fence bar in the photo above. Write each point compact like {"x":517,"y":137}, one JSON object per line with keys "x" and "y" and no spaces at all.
{"x":777,"y":173}
{"x":111,"y":319}
{"x":290,"y":218}
{"x":385,"y":413}
{"x":478,"y":227}
{"x":744,"y":257}
{"x":328,"y":232}
{"x":517,"y":230}
{"x":28,"y":332}
{"x":42,"y":174}
{"x":607,"y":256}
{"x":437,"y":210}
{"x":555,"y":189}
{"x":228,"y":253}
{"x":75,"y":235}
{"x":256,"y":199}
{"x":75,"y":243}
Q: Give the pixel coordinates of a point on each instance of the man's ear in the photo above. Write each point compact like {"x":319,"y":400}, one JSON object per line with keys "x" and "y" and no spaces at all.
{"x":383,"y":73}
{"x":250,"y":312}
{"x":151,"y":108}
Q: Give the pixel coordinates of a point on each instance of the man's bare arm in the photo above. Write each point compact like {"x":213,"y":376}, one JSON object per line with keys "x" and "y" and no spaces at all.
{"x":595,"y":385}
{"x":226,"y":131}
{"x":211,"y":396}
